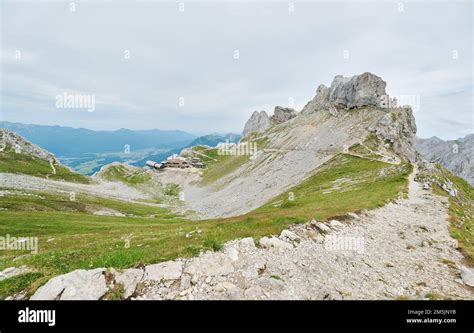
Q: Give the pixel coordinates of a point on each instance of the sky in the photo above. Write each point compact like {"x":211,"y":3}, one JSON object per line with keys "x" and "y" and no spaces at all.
{"x":205,"y":67}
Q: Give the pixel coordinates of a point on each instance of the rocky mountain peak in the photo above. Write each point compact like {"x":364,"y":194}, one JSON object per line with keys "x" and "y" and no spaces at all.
{"x":359,"y":90}
{"x":258,"y":122}
{"x":282,"y":114}
{"x":322,"y":94}
{"x":393,"y":125}
{"x":399,"y":128}
{"x":365,"y":89}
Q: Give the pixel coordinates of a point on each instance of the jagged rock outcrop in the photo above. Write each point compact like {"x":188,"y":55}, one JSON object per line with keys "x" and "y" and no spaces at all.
{"x":365,"y":89}
{"x":398,"y":127}
{"x":455,"y":155}
{"x":11,"y":141}
{"x":281,"y":114}
{"x":322,"y":94}
{"x":258,"y":122}
{"x":359,"y":90}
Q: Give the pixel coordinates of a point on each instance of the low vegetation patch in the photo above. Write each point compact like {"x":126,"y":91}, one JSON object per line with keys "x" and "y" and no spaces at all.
{"x":370,"y":148}
{"x":37,"y":201}
{"x":115,"y":294}
{"x":344,"y":184}
{"x":17,"y":284}
{"x":126,"y":174}
{"x":218,"y":165}
{"x":11,"y":162}
{"x":172,"y":190}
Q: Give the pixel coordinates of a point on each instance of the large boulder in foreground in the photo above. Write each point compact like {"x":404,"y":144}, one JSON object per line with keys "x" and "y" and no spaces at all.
{"x":80,"y":284}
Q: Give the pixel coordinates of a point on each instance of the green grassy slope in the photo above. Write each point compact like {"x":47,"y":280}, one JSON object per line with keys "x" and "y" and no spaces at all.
{"x":461,"y":208}
{"x":71,"y":239}
{"x":11,"y":162}
{"x":219,"y":165}
{"x":35,"y":201}
{"x":345,"y":183}
{"x":126,"y":174}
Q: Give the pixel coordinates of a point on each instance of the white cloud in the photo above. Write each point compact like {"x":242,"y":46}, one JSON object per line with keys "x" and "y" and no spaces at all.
{"x":190,"y":54}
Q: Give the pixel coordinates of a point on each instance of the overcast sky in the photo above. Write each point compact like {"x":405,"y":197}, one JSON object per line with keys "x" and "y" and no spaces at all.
{"x":423,"y":49}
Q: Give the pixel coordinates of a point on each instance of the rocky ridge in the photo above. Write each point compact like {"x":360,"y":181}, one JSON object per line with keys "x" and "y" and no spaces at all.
{"x":357,"y":91}
{"x":344,"y":93}
{"x":258,"y":122}
{"x":281,"y":114}
{"x":455,"y":155}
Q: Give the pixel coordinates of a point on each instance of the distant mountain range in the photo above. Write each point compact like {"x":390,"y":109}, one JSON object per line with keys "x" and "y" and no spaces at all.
{"x":87,"y":150}
{"x":456,"y":155}
{"x":64,"y":141}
